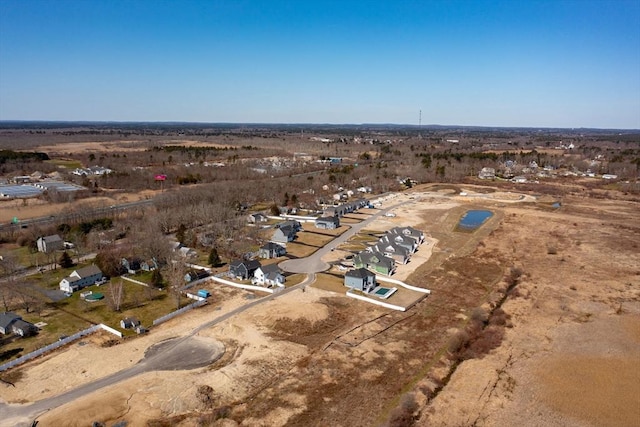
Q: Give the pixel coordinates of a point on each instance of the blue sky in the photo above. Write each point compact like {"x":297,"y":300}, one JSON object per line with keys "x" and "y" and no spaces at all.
{"x":487,"y":63}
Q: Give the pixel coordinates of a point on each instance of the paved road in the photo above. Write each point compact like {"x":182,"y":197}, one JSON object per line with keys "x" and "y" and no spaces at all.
{"x":173,"y":352}
{"x":314,"y":263}
{"x":171,"y":357}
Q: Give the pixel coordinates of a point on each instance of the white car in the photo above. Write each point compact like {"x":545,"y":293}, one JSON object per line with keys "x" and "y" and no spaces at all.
{"x":101,"y":281}
{"x":390,"y":214}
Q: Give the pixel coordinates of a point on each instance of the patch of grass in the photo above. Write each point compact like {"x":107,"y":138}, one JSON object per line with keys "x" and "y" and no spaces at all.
{"x":65,"y":163}
{"x":330,"y":283}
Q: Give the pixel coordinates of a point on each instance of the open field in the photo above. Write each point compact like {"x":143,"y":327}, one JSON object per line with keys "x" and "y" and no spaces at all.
{"x":319,"y":358}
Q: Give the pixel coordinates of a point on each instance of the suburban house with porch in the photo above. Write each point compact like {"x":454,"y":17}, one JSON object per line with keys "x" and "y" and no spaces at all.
{"x":243,"y":269}
{"x":374,"y":261}
{"x":268,"y":275}
{"x":271,"y":250}
{"x":360,"y":279}
{"x":328,"y":222}
{"x":81,"y":278}
{"x":49,"y":244}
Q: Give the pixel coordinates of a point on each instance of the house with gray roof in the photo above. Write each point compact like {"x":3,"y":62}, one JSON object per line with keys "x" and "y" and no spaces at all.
{"x":49,"y":244}
{"x":399,"y":254}
{"x":409,"y":244}
{"x":410,"y":232}
{"x":81,"y":278}
{"x":328,"y":222}
{"x":268,"y":275}
{"x":271,"y":250}
{"x":374,"y":261}
{"x":360,"y":279}
{"x":283,"y":235}
{"x":13,"y":323}
{"x":243,"y":270}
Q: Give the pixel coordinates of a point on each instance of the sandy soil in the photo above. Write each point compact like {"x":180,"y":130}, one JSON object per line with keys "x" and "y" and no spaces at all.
{"x":572,"y":357}
{"x":575,"y":336}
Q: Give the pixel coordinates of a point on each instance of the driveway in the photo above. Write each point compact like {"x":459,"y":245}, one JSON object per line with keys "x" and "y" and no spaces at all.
{"x":314,"y":263}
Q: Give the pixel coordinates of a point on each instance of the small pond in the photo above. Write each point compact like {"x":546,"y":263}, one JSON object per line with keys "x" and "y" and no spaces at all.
{"x":473,"y":219}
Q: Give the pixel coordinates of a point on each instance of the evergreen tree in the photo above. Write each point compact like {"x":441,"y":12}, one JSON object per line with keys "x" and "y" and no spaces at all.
{"x":65,"y":260}
{"x":214,"y":258}
{"x":180,"y":234}
{"x":156,"y":279}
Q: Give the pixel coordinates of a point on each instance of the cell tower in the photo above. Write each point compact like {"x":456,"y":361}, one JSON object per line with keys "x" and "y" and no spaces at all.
{"x":420,"y":124}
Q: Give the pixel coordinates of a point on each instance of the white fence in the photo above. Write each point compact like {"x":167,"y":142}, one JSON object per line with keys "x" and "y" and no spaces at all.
{"x":372,"y":301}
{"x":241,"y":286}
{"x":177,"y":312}
{"x":48,"y":348}
{"x":399,"y":283}
{"x":58,"y":344}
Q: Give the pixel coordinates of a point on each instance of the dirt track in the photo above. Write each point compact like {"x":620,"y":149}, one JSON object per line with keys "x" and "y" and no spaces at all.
{"x":283,"y":364}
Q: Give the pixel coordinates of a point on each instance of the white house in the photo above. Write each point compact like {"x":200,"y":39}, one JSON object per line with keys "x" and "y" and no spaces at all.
{"x":81,"y":278}
{"x":48,"y":244}
{"x":268,"y":275}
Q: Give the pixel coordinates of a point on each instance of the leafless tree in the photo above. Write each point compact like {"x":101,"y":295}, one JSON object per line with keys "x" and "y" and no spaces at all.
{"x":116,"y":294}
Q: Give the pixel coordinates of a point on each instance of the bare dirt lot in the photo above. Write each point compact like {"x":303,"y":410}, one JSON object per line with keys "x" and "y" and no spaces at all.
{"x":569,"y":352}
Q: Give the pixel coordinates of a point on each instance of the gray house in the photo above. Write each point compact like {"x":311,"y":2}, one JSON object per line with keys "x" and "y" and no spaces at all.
{"x":243,"y":269}
{"x":374,"y":261}
{"x":399,"y":254}
{"x":409,"y":232}
{"x":271,"y":250}
{"x":133,"y":265}
{"x":283,"y":235}
{"x":12,"y":323}
{"x":50,"y":244}
{"x":360,"y":279}
{"x":405,"y":242}
{"x":328,"y":222}
{"x":196,"y":275}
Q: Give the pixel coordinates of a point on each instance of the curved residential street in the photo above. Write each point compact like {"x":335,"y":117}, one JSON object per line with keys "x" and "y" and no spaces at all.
{"x":167,"y":359}
{"x":175,"y":350}
{"x":313,"y":263}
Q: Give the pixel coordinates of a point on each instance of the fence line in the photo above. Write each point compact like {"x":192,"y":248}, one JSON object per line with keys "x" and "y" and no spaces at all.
{"x":49,"y":347}
{"x":372,"y":301}
{"x":400,"y":283}
{"x":241,"y":286}
{"x":110,"y":330}
{"x":173,"y":314}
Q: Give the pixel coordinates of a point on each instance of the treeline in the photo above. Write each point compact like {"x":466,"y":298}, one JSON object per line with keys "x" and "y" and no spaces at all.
{"x":19,"y":156}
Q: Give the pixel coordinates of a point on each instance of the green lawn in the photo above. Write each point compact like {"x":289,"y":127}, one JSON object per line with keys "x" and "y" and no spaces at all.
{"x":65,"y":163}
